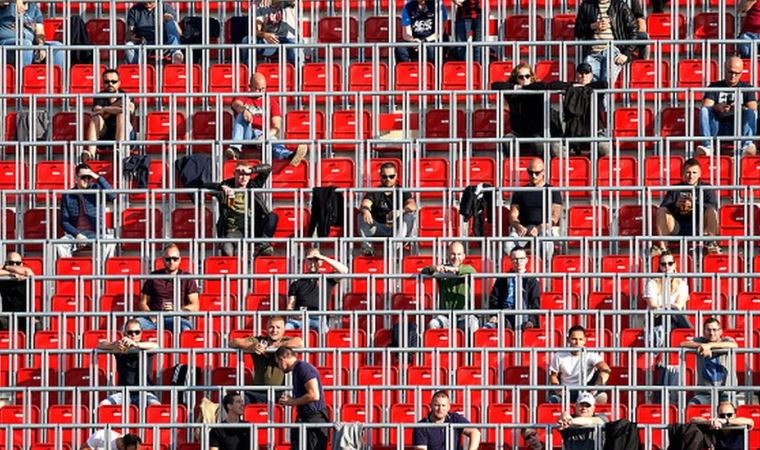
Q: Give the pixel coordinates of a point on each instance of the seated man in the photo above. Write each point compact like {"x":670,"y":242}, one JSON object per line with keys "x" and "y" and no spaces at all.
{"x":304,"y":294}
{"x":675,"y":216}
{"x":83,"y":213}
{"x":724,"y":426}
{"x":716,"y":118}
{"x":158,"y":293}
{"x":378,"y":213}
{"x":250,"y":113}
{"x":578,"y":368}
{"x":453,"y":294}
{"x":266,"y":372}
{"x":714,"y":366}
{"x":231,"y":438}
{"x":579,"y":429}
{"x":421,"y":22}
{"x":506,"y":291}
{"x":438,"y":438}
{"x":141,"y":30}
{"x":13,"y":292}
{"x":129,"y":370}
{"x":107,"y":117}
{"x":235,"y":218}
{"x":750,"y":27}
{"x":32,"y":33}
{"x":276,"y":23}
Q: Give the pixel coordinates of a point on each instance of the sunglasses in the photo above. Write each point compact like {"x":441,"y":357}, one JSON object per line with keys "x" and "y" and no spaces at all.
{"x":726,"y":415}
{"x":667,"y":263}
{"x":534,"y":173}
{"x":524,"y":77}
{"x":85,"y":178}
{"x":731,"y":72}
{"x":388,"y":177}
{"x":239,"y":173}
{"x":171,"y":258}
{"x":13,"y":263}
{"x":133,"y":332}
{"x":111,"y":81}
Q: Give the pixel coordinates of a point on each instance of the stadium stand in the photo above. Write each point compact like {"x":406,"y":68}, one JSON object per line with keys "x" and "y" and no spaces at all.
{"x":415,"y":315}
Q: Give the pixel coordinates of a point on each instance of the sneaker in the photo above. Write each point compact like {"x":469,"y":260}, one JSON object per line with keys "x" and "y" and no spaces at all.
{"x":178,"y":57}
{"x":656,"y":250}
{"x":703,"y":151}
{"x":299,"y":155}
{"x":264,"y":250}
{"x":367,"y":251}
{"x":231,"y":153}
{"x":86,"y":156}
{"x":713,"y":248}
{"x":749,"y":150}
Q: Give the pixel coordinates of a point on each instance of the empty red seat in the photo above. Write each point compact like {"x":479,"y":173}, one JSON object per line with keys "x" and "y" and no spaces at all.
{"x":414,"y":76}
{"x":73,"y":267}
{"x":707,"y":26}
{"x":370,"y":265}
{"x":292,"y":222}
{"x":19,"y":415}
{"x":140,"y":223}
{"x":82,"y":80}
{"x":695,"y":74}
{"x":718,"y":171}
{"x":338,"y":172}
{"x":661,"y":171}
{"x":438,"y":222}
{"x":191,"y":223}
{"x":349,"y":124}
{"x":100,"y":33}
{"x":222,"y":78}
{"x":276,"y":80}
{"x":221,"y":265}
{"x":573,"y":171}
{"x":161,"y":127}
{"x":485,"y":126}
{"x":645,"y":75}
{"x":662,"y":27}
{"x":67,"y":128}
{"x":164,"y":414}
{"x":673,"y":122}
{"x":440,"y":124}
{"x":518,"y":28}
{"x":724,"y":265}
{"x":177,"y":80}
{"x":333,"y":30}
{"x":67,"y":414}
{"x":123,"y":266}
{"x":476,"y":170}
{"x":270,"y":265}
{"x":631,"y":220}
{"x":285,"y":176}
{"x":617,"y":172}
{"x":563,"y":27}
{"x":319,"y":77}
{"x":136,"y":78}
{"x":431,"y":173}
{"x":300,"y":124}
{"x":364,"y":77}
{"x":14,"y":175}
{"x":205,"y":128}
{"x":9,"y":81}
{"x":656,"y":414}
{"x":37,"y":80}
{"x":588,"y":221}
{"x":739,"y":220}
{"x":459,"y":76}
{"x":376,"y":30}
{"x":749,"y":176}
{"x":629,"y":123}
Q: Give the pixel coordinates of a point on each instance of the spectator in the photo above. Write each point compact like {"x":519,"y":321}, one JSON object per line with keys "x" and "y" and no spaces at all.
{"x":675,"y":216}
{"x":129,"y":367}
{"x":141,"y":30}
{"x":726,"y":439}
{"x":436,"y":438}
{"x":112,"y":440}
{"x":158,"y":293}
{"x":526,"y":111}
{"x":13,"y":292}
{"x":380,"y":209}
{"x":637,"y":9}
{"x":276,"y":23}
{"x":469,"y":19}
{"x":83,"y":215}
{"x":663,"y":293}
{"x":578,"y":368}
{"x":506,"y":290}
{"x":308,"y":398}
{"x":529,"y":216}
{"x":235,"y":217}
{"x":579,"y":431}
{"x":750,"y":27}
{"x":605,"y":21}
{"x":713,"y":365}
{"x":107,"y":117}
{"x":304,"y":293}
{"x":453,"y":292}
{"x":266,"y":371}
{"x":238,"y":438}
{"x":33,"y":33}
{"x":716,"y":118}
{"x":421,"y":23}
{"x":249,"y":123}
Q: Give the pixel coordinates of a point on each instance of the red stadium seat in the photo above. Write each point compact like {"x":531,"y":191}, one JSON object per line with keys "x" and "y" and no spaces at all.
{"x":438,"y":125}
{"x":223,"y":79}
{"x":517,"y":174}
{"x":285,"y":176}
{"x":37,"y":80}
{"x":518,"y":28}
{"x":588,"y":221}
{"x":550,"y":70}
{"x":405,"y":413}
{"x":376,"y":30}
{"x":66,"y":127}
{"x":628,"y":123}
{"x":431,"y":173}
{"x":260,"y":414}
{"x":368,"y":265}
{"x":276,"y":80}
{"x":573,"y":171}
{"x":14,"y":175}
{"x":19,"y":415}
{"x":319,"y":77}
{"x":750,"y":173}
{"x":10,"y":79}
{"x":499,"y":71}
{"x":9,"y":224}
{"x":101,"y":33}
{"x":190,"y":224}
{"x":412,"y":76}
{"x":437,"y":222}
{"x":196,"y":339}
{"x":177,"y":80}
{"x":140,"y":79}
{"x":656,"y":414}
{"x":706,"y":26}
{"x":621,"y":264}
{"x":696,"y":74}
{"x":332,"y":30}
{"x":458,"y":76}
{"x":341,"y":339}
{"x":443,"y":338}
{"x":363,"y":77}
{"x":739,"y":220}
{"x":292,"y":222}
{"x":53,"y":340}
{"x":673,"y":123}
{"x":661,"y":171}
{"x":376,"y":376}
{"x":270,"y":265}
{"x":123,"y":266}
{"x":723,"y":265}
{"x":644,"y":75}
{"x":161,"y":127}
{"x":662,"y":27}
{"x":164,"y":414}
{"x":617,"y":172}
{"x":569,"y":264}
{"x":73,"y":267}
{"x":53,"y":175}
{"x":499,"y":413}
{"x":205,"y":128}
{"x":68,"y":304}
{"x":631,"y":220}
{"x":485,"y":126}
{"x":140,"y":223}
{"x":346,"y":126}
{"x":66,"y":414}
{"x":718,"y":171}
{"x":563,"y":27}
{"x":338,"y":172}
{"x":221,"y":265}
{"x":157,"y":179}
{"x":300,"y":125}
{"x":82,"y":80}
{"x":476,"y":170}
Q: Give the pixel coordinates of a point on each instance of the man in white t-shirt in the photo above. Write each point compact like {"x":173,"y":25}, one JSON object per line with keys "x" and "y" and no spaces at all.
{"x":111,"y":440}
{"x":577,"y":368}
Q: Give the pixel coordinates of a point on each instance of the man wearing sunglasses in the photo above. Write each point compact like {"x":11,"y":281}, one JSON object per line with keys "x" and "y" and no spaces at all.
{"x":13,"y":293}
{"x":379,"y":209}
{"x":715,"y":367}
{"x":129,"y":367}
{"x":716,"y":118}
{"x":726,"y":439}
{"x":83,"y":213}
{"x":107,"y":116}
{"x":535,"y":212}
{"x":158,"y":293}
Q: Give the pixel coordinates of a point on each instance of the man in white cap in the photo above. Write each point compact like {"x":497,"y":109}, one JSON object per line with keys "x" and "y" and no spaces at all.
{"x":111,"y":440}
{"x":579,"y":430}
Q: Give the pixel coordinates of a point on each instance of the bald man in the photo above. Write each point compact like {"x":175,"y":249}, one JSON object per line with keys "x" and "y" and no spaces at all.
{"x":528,"y":215}
{"x":453,"y":293}
{"x":716,"y":118}
{"x":251,"y":115}
{"x":13,"y":288}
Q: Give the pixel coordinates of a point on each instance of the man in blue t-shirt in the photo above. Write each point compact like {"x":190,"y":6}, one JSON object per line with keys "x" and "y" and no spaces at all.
{"x":419,"y":22}
{"x":716,"y":118}
{"x":308,"y":397}
{"x":435,"y":438}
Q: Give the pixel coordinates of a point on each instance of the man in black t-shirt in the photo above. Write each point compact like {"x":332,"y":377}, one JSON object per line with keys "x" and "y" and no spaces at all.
{"x":304,"y":293}
{"x":13,"y":275}
{"x":675,"y":216}
{"x":725,"y":427}
{"x":238,"y":438}
{"x":377,"y":215}
{"x":528,"y":213}
{"x":716,"y":118}
{"x":107,"y":116}
{"x":127,"y":351}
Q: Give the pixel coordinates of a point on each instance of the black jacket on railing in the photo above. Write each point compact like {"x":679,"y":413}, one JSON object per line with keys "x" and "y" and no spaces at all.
{"x":624,"y":26}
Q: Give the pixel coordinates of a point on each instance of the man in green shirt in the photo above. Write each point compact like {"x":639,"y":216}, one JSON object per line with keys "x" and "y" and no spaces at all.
{"x":452,"y":287}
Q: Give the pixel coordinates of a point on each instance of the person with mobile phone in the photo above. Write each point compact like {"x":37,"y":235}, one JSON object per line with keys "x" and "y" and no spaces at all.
{"x":453,"y":291}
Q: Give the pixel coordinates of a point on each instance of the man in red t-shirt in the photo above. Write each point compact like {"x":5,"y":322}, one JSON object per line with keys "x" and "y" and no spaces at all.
{"x":751,"y":25}
{"x":249,"y":123}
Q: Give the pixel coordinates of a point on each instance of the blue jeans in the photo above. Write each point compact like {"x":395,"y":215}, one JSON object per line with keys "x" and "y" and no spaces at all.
{"x":290,"y":53}
{"x":462,"y":31}
{"x":147,"y":324}
{"x":171,"y":37}
{"x":59,"y":56}
{"x":411,"y":54}
{"x":746,"y":49}
{"x":599,"y":61}
{"x":26,"y":55}
{"x":243,"y":131}
{"x":710,"y":126}
{"x":315,"y":323}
